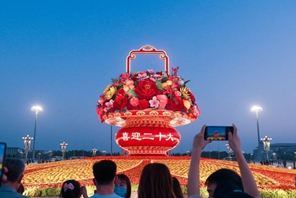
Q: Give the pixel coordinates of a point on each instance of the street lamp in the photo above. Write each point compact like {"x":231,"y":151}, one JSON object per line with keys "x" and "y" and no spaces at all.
{"x":188,"y":152}
{"x":36,"y":109}
{"x":104,"y":152}
{"x":266,"y":143}
{"x":294,"y":163}
{"x":274,"y":155}
{"x":39,"y":155}
{"x":21,"y":153}
{"x":94,"y":151}
{"x":27,"y":144}
{"x":63,"y":148}
{"x":229,"y":151}
{"x":257,"y":109}
{"x":49,"y":154}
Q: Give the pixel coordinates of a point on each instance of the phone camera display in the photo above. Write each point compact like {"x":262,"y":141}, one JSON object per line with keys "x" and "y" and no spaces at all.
{"x":217,"y":132}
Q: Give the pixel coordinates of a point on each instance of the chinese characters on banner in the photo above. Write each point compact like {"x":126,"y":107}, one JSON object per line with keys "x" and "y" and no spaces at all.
{"x":147,"y":136}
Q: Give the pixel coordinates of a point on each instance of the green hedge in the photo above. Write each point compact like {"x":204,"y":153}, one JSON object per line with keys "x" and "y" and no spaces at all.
{"x":54,"y":192}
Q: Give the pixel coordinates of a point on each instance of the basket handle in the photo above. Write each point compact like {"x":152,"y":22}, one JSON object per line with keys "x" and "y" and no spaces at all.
{"x":147,"y":49}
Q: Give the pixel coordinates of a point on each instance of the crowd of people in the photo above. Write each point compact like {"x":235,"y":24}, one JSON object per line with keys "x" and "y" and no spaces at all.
{"x":156,"y":180}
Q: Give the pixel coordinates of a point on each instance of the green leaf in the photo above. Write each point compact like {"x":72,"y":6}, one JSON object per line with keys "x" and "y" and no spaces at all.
{"x":133,"y":93}
{"x":158,"y":85}
{"x":114,"y":79}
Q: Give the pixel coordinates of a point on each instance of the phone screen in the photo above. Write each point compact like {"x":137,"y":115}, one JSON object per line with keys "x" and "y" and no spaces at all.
{"x":2,"y":158}
{"x":217,"y":132}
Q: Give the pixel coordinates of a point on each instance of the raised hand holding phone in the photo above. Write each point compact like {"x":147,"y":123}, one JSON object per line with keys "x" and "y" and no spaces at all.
{"x":217,"y":133}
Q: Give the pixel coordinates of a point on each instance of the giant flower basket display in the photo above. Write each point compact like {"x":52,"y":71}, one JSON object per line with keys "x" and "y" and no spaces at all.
{"x":147,"y":105}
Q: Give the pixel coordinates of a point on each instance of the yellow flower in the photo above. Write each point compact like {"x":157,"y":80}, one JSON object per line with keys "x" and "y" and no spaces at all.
{"x":109,"y":92}
{"x":169,"y":82}
{"x":184,"y":92}
{"x":187,"y":104}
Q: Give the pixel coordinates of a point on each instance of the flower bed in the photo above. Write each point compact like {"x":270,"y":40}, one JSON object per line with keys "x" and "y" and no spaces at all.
{"x":46,"y":179}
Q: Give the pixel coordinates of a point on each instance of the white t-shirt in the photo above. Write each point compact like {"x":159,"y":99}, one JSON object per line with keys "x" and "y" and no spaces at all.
{"x":105,"y":196}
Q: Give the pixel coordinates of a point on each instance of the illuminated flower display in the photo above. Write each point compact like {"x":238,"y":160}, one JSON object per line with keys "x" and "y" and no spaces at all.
{"x":148,"y":105}
{"x":148,"y":90}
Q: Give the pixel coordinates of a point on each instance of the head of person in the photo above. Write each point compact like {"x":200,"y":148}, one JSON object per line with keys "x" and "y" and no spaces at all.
{"x":104,"y":172}
{"x":70,"y":189}
{"x":177,"y":188}
{"x":16,"y":168}
{"x":156,"y":181}
{"x":220,"y":176}
{"x":123,"y":186}
{"x":229,"y":190}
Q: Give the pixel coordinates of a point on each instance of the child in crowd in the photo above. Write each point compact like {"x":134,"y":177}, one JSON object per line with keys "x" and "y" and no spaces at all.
{"x":72,"y":189}
{"x":123,"y":186}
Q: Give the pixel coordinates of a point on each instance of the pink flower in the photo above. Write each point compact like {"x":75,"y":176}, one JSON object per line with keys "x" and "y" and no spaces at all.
{"x":154,"y":103}
{"x":142,"y":76}
{"x":150,"y":71}
{"x":177,"y":93}
{"x":109,"y":105}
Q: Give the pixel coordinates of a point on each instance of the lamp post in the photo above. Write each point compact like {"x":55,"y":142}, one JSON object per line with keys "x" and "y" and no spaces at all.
{"x":63,"y":148}
{"x":27,"y":144}
{"x":111,"y":141}
{"x":274,"y":155}
{"x":104,"y":152}
{"x":188,"y":152}
{"x":36,"y":109}
{"x":229,"y":151}
{"x":266,"y":143}
{"x":294,"y":164}
{"x":49,"y":154}
{"x":21,"y":153}
{"x":94,"y":151}
{"x":257,"y":109}
{"x":39,"y":155}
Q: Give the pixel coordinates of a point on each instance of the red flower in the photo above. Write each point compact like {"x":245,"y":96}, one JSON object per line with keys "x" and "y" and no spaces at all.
{"x":146,"y":89}
{"x":143,"y":104}
{"x":176,"y":103}
{"x":120,"y":91}
{"x":120,"y":102}
{"x":100,"y":113}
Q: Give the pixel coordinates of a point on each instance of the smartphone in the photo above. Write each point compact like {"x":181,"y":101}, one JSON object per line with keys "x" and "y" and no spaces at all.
{"x":2,"y":159}
{"x":217,"y":132}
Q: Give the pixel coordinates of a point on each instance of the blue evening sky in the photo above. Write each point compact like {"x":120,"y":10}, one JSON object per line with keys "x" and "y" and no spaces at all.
{"x":62,"y":54}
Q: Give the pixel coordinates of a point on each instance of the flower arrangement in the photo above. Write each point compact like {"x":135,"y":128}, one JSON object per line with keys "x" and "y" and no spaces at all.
{"x":148,"y":89}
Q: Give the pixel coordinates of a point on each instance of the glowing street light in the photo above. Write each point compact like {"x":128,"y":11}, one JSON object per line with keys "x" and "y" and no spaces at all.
{"x":257,"y":109}
{"x":27,"y":144}
{"x":36,"y":109}
{"x":63,"y":148}
{"x":266,"y":143}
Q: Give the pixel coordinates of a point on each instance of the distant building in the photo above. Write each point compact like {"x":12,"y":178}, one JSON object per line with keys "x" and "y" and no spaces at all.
{"x":13,"y":151}
{"x":278,"y":148}
{"x":283,"y":147}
